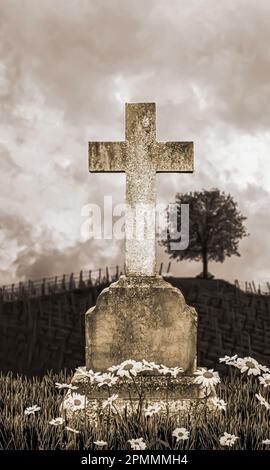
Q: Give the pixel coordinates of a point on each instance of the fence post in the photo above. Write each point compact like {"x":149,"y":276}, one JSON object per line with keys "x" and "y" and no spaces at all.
{"x":160,"y":269}
{"x":20,"y":290}
{"x":43,"y":286}
{"x":81,"y":283}
{"x":12,"y":291}
{"x":3,"y":292}
{"x":71,"y":282}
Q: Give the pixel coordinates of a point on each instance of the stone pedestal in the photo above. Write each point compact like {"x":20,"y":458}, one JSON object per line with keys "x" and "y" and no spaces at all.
{"x":141,"y":318}
{"x":174,"y":396}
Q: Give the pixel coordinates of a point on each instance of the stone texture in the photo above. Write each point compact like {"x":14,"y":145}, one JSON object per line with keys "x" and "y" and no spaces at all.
{"x":176,"y":397}
{"x":141,"y":318}
{"x":140,"y":156}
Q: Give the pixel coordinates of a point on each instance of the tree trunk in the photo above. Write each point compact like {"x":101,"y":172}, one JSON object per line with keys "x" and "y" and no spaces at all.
{"x":205,"y":264}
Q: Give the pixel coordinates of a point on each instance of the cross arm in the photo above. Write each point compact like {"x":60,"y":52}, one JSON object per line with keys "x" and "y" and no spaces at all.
{"x":174,"y":157}
{"x":107,"y":156}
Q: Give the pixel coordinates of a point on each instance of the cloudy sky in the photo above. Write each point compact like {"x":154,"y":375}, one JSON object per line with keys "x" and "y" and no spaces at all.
{"x":66,"y":70}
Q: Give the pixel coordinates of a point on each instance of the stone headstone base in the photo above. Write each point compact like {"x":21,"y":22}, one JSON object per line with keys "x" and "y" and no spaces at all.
{"x":173,"y":396}
{"x":141,"y":317}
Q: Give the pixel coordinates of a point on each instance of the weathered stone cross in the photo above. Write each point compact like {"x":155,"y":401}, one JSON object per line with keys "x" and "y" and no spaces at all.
{"x":140,"y":157}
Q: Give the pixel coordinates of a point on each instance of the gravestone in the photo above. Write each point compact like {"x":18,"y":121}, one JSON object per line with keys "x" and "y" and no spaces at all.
{"x":141,"y":316}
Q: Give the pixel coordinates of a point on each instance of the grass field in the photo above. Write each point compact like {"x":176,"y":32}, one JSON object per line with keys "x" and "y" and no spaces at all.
{"x":245,"y":416}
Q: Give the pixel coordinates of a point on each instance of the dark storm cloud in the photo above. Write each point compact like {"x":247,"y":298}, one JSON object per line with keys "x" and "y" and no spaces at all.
{"x":35,"y":264}
{"x":14,"y":227}
{"x":212,"y":54}
{"x":205,"y":63}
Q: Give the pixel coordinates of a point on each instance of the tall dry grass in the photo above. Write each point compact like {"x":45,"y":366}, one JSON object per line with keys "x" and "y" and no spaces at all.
{"x":245,"y":417}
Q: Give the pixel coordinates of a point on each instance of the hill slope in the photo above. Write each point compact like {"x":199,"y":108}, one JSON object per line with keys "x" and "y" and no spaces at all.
{"x":47,"y":332}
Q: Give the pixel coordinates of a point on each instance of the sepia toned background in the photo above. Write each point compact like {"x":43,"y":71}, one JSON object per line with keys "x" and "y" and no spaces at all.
{"x":66,"y":70}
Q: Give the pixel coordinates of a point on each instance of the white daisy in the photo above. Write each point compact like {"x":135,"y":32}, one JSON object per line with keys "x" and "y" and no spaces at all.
{"x":264,"y":369}
{"x":129,"y":368}
{"x":266,"y":442}
{"x":173,"y":371}
{"x":150,"y":365}
{"x":72,"y":430}
{"x":145,"y":366}
{"x":206,"y":377}
{"x":106,"y":379}
{"x":263,"y":401}
{"x":249,"y":365}
{"x":229,"y":360}
{"x":101,"y":443}
{"x":128,"y":362}
{"x":65,"y":386}
{"x":152,"y":409}
{"x":219,"y":404}
{"x":265,"y":380}
{"x":75,"y":402}
{"x":228,"y":439}
{"x":31,"y":410}
{"x":109,"y":402}
{"x":57,"y":421}
{"x":89,"y":374}
{"x":137,"y":444}
{"x":181,"y":434}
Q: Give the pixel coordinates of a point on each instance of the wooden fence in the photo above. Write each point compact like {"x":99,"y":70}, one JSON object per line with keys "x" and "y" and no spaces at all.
{"x":85,"y":279}
{"x":66,"y":282}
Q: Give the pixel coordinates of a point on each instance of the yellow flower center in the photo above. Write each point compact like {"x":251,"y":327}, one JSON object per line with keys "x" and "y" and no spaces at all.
{"x":128,"y":367}
{"x":77,"y":402}
{"x":208,"y":375}
{"x":250,"y":365}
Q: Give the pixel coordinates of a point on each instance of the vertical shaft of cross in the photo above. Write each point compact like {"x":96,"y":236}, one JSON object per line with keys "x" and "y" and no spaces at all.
{"x":140,"y":251}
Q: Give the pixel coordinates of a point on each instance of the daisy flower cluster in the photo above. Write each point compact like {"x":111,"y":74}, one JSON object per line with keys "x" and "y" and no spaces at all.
{"x":251,"y":367}
{"x":247,"y":365}
{"x":131,"y":368}
{"x":208,"y":378}
{"x":128,"y":370}
{"x":137,"y":444}
{"x":228,"y":440}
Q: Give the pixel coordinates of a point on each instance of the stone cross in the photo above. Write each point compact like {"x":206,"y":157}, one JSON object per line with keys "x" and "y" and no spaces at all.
{"x":140,"y":156}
